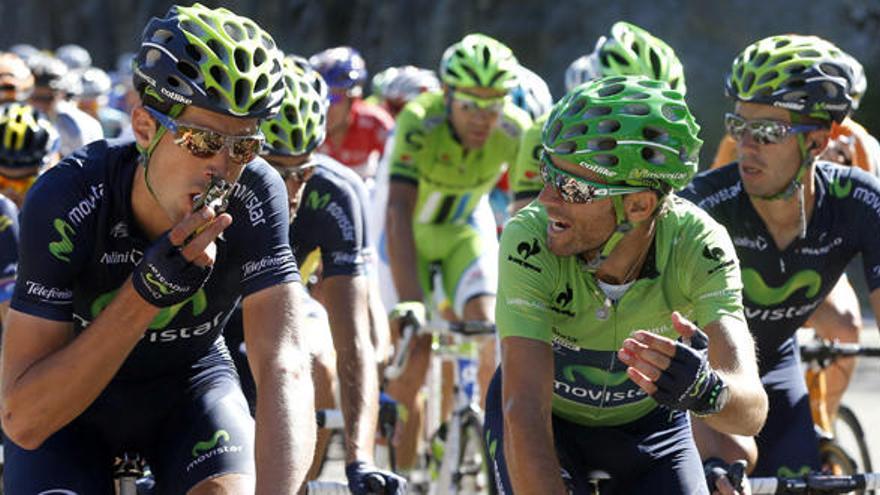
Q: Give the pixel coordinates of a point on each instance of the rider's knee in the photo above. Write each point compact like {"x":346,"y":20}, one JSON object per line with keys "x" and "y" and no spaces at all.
{"x":225,"y":484}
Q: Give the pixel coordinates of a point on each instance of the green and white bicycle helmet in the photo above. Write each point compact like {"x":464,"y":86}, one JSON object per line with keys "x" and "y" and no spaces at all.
{"x":630,"y":129}
{"x":300,"y":125}
{"x":803,"y":74}
{"x":479,"y":61}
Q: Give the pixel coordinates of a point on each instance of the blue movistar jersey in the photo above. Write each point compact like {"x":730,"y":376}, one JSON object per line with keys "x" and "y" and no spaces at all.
{"x":8,"y":247}
{"x":81,"y":243}
{"x":782,"y":287}
{"x":332,"y":217}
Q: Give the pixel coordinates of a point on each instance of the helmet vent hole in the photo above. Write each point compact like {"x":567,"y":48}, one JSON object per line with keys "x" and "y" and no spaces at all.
{"x":761,"y":59}
{"x":610,"y":90}
{"x":783,"y":42}
{"x":219,"y":76}
{"x":618,"y":59}
{"x":639,"y":96}
{"x":675,"y":83}
{"x":615,"y":80}
{"x":780,"y":59}
{"x":608,"y":126}
{"x":830,"y":89}
{"x":498,"y":75}
{"x":576,"y":108}
{"x":487,"y":56}
{"x":162,"y":36}
{"x":261,"y":83}
{"x":748,"y":81}
{"x":809,"y":54}
{"x":655,"y":64}
{"x":635,"y":109}
{"x":601,"y":144}
{"x":472,"y":74}
{"x":274,"y":128}
{"x":554,"y":130}
{"x":233,"y":31}
{"x":655,"y":135}
{"x":598,"y":111}
{"x":296,"y":138}
{"x":219,"y":50}
{"x":653,"y":156}
{"x":648,"y":83}
{"x":194,"y":52}
{"x":259,"y":56}
{"x":242,"y":92}
{"x":673,"y":112}
{"x":242,"y":60}
{"x":574,"y":131}
{"x":673,"y":95}
{"x":250,"y":30}
{"x":605,"y":160}
{"x":767,"y":77}
{"x":268,"y":43}
{"x":258,"y":105}
{"x":188,"y":70}
{"x":565,"y":148}
{"x":795,"y":69}
{"x":831,"y":70}
{"x":290,"y":113}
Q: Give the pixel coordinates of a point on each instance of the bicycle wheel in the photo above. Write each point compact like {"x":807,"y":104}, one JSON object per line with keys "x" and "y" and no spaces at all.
{"x":849,"y":433}
{"x":474,"y":475}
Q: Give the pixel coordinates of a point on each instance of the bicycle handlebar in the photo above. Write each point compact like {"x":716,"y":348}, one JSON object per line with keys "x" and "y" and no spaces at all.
{"x":816,"y":483}
{"x":824,"y":352}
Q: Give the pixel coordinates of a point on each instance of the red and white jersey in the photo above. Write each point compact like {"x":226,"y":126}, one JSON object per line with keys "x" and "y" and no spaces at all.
{"x":364,"y":142}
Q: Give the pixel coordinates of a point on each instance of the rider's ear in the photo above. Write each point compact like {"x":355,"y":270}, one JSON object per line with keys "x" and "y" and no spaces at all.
{"x":143,"y":126}
{"x":640,"y":206}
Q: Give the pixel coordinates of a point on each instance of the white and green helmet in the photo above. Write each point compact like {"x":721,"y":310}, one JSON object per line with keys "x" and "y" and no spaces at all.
{"x":212,"y":59}
{"x":300,"y":125}
{"x":479,"y":61}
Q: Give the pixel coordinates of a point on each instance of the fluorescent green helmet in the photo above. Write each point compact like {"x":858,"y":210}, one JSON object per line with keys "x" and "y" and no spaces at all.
{"x":300,"y":126}
{"x":209,"y":58}
{"x":479,"y":61}
{"x":630,"y":130}
{"x":804,"y":74}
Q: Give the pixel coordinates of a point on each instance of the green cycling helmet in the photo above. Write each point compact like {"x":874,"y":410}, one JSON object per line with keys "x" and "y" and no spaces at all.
{"x":300,"y":125}
{"x":479,"y":61}
{"x":629,"y":130}
{"x":804,"y":74}
{"x":209,"y":58}
{"x":632,"y":51}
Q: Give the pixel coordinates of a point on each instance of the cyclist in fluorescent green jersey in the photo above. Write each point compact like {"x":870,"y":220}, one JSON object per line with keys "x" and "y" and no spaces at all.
{"x":449,"y":149}
{"x":607,"y":285}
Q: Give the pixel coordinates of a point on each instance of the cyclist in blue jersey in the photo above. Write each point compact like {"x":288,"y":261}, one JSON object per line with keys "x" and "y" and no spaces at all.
{"x":796,"y":222}
{"x":328,"y":208}
{"x":127,"y":277}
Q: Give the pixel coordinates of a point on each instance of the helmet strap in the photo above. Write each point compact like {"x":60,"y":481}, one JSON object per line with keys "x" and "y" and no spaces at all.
{"x":147,"y":153}
{"x":622,"y":227}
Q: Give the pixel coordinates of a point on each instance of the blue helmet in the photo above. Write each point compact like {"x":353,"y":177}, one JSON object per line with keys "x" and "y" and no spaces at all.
{"x":342,"y":67}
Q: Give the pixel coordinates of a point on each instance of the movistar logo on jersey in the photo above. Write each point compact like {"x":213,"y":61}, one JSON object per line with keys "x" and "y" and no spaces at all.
{"x":207,"y":449}
{"x":839,"y":190}
{"x":317,"y":201}
{"x":161,"y":287}
{"x":593,"y":375}
{"x":758,"y":291}
{"x":198,"y":301}
{"x":204,"y":446}
{"x":62,"y":248}
{"x":525,"y":251}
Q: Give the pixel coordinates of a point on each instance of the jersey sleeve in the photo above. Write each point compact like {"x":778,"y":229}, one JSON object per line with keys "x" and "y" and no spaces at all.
{"x":708,"y":270}
{"x":525,"y":284}
{"x":525,"y":175}
{"x":56,"y":241}
{"x":258,"y":237}
{"x":8,"y":247}
{"x":863,"y":207}
{"x":409,"y":140}
{"x":334,"y":220}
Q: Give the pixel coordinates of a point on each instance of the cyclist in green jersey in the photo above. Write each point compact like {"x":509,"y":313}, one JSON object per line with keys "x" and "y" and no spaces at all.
{"x":606,"y":286}
{"x":449,"y":149}
{"x":628,"y":50}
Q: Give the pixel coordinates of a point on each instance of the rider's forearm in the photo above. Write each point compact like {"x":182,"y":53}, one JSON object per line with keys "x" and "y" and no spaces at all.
{"x":285,"y":417}
{"x":528,"y":448}
{"x":347,"y":308}
{"x":402,"y":253}
{"x":59,"y":387}
{"x":746,"y":411}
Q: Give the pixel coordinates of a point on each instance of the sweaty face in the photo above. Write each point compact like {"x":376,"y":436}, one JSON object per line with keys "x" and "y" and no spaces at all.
{"x":177,"y":176}
{"x":576,"y":228}
{"x":766,"y":169}
{"x":474,"y":112}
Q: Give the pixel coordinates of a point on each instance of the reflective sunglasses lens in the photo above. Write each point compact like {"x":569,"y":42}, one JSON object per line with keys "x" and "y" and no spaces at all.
{"x":245,"y":149}
{"x":200,"y":142}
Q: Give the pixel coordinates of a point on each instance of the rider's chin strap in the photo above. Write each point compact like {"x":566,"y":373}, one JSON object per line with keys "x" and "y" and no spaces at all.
{"x":623,"y":226}
{"x":147,"y":152}
{"x":796,"y":185}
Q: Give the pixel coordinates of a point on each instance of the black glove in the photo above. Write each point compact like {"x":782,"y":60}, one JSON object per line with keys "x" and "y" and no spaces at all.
{"x":164,"y":277}
{"x":715,"y":469}
{"x":689,"y":383}
{"x":366,"y":479}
